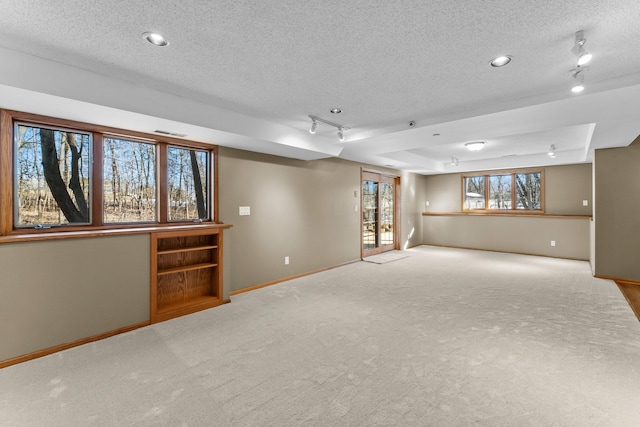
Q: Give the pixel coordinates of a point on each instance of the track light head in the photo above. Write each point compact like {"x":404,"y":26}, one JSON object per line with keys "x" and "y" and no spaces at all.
{"x":314,"y":125}
{"x":340,"y":135}
{"x":578,"y":80}
{"x":583,"y":56}
{"x":552,"y":151}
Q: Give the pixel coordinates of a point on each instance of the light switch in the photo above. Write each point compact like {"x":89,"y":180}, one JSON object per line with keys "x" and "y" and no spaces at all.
{"x":244,"y":210}
{"x":585,"y":203}
{"x":426,"y":203}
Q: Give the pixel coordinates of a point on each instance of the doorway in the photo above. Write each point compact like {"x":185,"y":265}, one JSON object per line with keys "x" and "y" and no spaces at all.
{"x":379,"y":213}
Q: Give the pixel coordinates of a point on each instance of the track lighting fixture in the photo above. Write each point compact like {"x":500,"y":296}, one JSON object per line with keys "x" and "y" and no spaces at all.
{"x":552,"y":151}
{"x":475,"y":146}
{"x":583,"y":56}
{"x":578,"y":79}
{"x":454,"y":161}
{"x":314,"y":125}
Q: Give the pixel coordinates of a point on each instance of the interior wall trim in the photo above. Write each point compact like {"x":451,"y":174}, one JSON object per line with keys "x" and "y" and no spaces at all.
{"x":523,"y":214}
{"x":631,"y":291}
{"x":66,"y":346}
{"x":295,"y":276}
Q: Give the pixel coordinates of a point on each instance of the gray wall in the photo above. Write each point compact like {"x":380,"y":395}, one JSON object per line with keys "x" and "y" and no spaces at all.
{"x":58,"y":291}
{"x":301,"y":209}
{"x":617,"y":218}
{"x":565,"y":189}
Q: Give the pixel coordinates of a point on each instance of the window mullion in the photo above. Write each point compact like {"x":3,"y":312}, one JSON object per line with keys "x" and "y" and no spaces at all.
{"x":513,"y":191}
{"x":487,"y":191}
{"x":6,"y":173}
{"x":97,"y":189}
{"x":162,"y":184}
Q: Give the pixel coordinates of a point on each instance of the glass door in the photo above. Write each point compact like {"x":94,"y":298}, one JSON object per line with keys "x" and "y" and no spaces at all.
{"x":378,"y":213}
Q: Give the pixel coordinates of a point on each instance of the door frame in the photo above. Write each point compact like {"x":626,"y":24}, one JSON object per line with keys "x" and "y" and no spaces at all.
{"x":366,"y":174}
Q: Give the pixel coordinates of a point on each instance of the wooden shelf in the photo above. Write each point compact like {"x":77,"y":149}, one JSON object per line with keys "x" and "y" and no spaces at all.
{"x":193,"y":302}
{"x":195,"y":248}
{"x":186,"y":268}
{"x":186,"y":272}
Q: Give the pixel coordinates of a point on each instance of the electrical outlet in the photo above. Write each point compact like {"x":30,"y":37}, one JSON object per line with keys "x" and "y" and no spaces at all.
{"x":286,"y":260}
{"x":426,"y":203}
{"x":585,"y":203}
{"x":244,"y":210}
{"x":553,"y":243}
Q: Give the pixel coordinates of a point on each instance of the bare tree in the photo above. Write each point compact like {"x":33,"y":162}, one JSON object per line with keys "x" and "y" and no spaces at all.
{"x":197,"y":183}
{"x":51,"y":169}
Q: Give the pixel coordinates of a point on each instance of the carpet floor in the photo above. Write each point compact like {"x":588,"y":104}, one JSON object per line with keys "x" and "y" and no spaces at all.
{"x":443,"y":337}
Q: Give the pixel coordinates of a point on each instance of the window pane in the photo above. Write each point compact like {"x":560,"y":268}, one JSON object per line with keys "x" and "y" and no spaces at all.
{"x":386,"y":204}
{"x":187,"y":178}
{"x":52,"y":176}
{"x":528,"y":191}
{"x":474,"y":192}
{"x":369,"y":214}
{"x":500,"y":192}
{"x":129,"y":181}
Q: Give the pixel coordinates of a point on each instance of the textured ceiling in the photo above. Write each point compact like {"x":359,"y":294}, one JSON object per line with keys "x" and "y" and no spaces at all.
{"x":248,"y":74}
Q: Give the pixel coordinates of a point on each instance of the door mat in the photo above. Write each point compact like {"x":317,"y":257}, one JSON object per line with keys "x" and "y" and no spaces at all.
{"x":386,"y":257}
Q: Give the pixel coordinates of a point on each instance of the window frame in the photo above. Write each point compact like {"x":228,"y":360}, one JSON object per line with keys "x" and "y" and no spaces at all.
{"x":8,"y":118}
{"x":487,"y":192}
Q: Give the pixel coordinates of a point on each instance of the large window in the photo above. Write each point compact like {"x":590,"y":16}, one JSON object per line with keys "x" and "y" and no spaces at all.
{"x":504,"y":191}
{"x":128,"y":181}
{"x":52,"y":179}
{"x":187,"y":173}
{"x":60,"y":175}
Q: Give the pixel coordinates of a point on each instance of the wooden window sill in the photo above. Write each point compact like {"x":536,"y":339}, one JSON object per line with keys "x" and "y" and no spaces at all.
{"x":57,"y":235}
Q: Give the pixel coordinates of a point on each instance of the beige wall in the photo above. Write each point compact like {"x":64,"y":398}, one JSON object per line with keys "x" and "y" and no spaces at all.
{"x":55,"y":292}
{"x":412,"y":203}
{"x":565,"y":189}
{"x":301,"y":209}
{"x":617,"y":218}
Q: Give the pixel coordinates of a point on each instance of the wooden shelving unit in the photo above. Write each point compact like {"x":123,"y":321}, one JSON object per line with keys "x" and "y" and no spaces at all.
{"x":186,"y":272}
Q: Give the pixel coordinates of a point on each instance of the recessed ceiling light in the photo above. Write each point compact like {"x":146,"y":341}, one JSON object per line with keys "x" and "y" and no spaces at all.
{"x":475,"y":146}
{"x":501,"y":61}
{"x":336,"y":110}
{"x":155,"y":39}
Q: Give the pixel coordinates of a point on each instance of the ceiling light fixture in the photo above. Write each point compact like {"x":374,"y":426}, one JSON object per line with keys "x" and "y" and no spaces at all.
{"x":475,"y":146}
{"x":336,"y":110}
{"x":155,"y":39}
{"x":314,"y":125}
{"x":500,"y":61}
{"x":583,"y":56}
{"x":454,"y":161}
{"x":552,"y":151}
{"x":578,"y":79}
